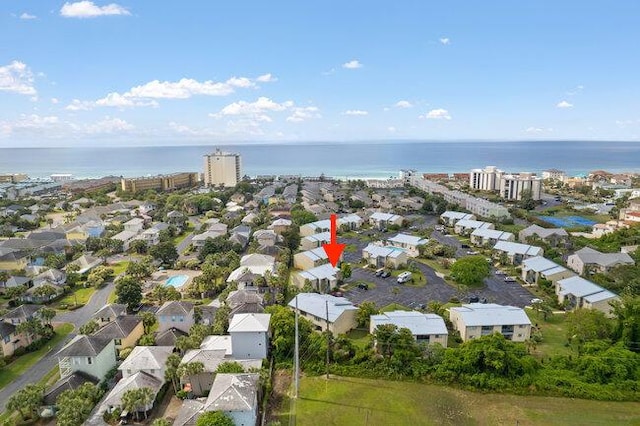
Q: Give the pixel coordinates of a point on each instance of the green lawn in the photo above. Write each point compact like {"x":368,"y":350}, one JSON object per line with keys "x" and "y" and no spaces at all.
{"x":11,"y":371}
{"x":352,"y":401}
{"x":112,"y":297}
{"x":81,"y":295}
{"x":360,"y":337}
{"x":395,"y":307}
{"x":554,"y":334}
{"x":119,"y":267}
{"x":177,"y":240}
{"x":418,"y":278}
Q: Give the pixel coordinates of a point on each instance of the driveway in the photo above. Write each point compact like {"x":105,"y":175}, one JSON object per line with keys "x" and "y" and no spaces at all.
{"x":49,"y":360}
{"x":182,"y":246}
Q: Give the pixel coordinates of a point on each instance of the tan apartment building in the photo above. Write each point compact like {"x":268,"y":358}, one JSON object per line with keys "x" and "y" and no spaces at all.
{"x":160,"y":183}
{"x":482,"y":319}
{"x":222,"y":168}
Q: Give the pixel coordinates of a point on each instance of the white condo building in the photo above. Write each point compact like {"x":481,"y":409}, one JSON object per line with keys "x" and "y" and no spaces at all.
{"x":512,"y":185}
{"x":222,"y":168}
{"x":487,"y":179}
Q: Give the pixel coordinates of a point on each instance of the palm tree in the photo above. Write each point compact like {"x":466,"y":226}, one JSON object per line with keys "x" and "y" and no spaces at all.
{"x":47,"y":314}
{"x":191,"y":369}
{"x":171,"y":370}
{"x":145,"y":395}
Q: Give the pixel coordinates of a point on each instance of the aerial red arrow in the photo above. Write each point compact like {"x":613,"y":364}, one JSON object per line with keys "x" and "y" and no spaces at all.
{"x":334,"y":250}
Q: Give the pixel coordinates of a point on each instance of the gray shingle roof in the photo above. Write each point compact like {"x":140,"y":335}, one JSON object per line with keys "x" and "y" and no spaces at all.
{"x":22,"y":312}
{"x":233,"y":392}
{"x":112,"y":310}
{"x":175,"y":308}
{"x":72,"y":382}
{"x":168,"y":337}
{"x":119,"y":328}
{"x":82,"y":345}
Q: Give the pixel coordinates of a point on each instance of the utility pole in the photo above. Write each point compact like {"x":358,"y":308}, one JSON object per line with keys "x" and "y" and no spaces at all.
{"x":296,"y":360}
{"x":326,"y":304}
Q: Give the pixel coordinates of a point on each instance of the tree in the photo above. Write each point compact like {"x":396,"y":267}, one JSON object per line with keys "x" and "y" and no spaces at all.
{"x":47,"y":314}
{"x":221,"y":320}
{"x":230,"y":367}
{"x":32,"y":327}
{"x":55,"y":261}
{"x":189,"y":370}
{"x":470,"y":270}
{"x":140,"y":269}
{"x":627,"y":328}
{"x":165,"y":252}
{"x":138,"y":246}
{"x":300,"y":216}
{"x":45,"y":292}
{"x":526,"y":200}
{"x":365,"y":310}
{"x":15,"y":293}
{"x":345,"y":270}
{"x":74,"y":406}
{"x":27,"y":401}
{"x":161,"y":422}
{"x":89,"y":327}
{"x":129,"y":292}
{"x":148,"y":321}
{"x":171,"y":370}
{"x":214,"y":418}
{"x":137,"y":400}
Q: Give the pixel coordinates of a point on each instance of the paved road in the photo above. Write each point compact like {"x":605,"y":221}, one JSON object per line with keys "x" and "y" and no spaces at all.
{"x":182,"y":246}
{"x":47,"y":362}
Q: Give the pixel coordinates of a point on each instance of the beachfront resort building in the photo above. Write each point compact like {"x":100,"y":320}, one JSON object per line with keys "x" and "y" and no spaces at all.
{"x":160,"y":183}
{"x":222,"y":169}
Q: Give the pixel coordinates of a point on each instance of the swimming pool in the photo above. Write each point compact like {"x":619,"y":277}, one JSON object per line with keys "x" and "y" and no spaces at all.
{"x":177,"y":280}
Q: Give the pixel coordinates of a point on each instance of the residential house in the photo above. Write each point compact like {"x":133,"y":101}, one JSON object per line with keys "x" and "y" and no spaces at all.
{"x":381,"y":220}
{"x":169,"y":336}
{"x":280,"y":225}
{"x":409,"y":243}
{"x":588,"y":261}
{"x":516,"y":252}
{"x":256,"y":264}
{"x":576,"y":292}
{"x":552,"y":236}
{"x":250,"y":335}
{"x":479,"y":319}
{"x":450,"y":218}
{"x":134,"y":225}
{"x":236,"y":395}
{"x":126,"y":237}
{"x":385,"y":256}
{"x":148,"y":359}
{"x":22,"y":313}
{"x":425,"y":328}
{"x":88,"y":354}
{"x":176,"y":218}
{"x":537,"y":268}
{"x":315,"y":227}
{"x":350,"y":222}
{"x":109,"y":313}
{"x":310,"y":258}
{"x":489,"y":237}
{"x":150,"y":236}
{"x":315,"y":240}
{"x":124,"y":330}
{"x":321,"y":278}
{"x":10,"y":339}
{"x":240,"y":235}
{"x":86,"y":263}
{"x":71,"y":382}
{"x":325,"y":311}
{"x":15,"y":281}
{"x":466,"y":226}
{"x":266,"y":237}
{"x":137,"y":380}
{"x":199,"y":239}
{"x":175,"y":314}
{"x":13,"y":260}
{"x":244,"y":302}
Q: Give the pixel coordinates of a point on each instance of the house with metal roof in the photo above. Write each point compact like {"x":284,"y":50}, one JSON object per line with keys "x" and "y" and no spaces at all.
{"x":314,"y":241}
{"x":481,"y":319}
{"x":321,"y":278}
{"x":467,"y":226}
{"x":310,"y":258}
{"x":516,"y":252}
{"x":409,"y":243}
{"x":450,"y":217}
{"x":489,"y":237}
{"x":536,"y":268}
{"x":381,"y":220}
{"x":425,"y":328}
{"x":385,"y":256}
{"x":588,"y":261}
{"x":577,"y":292}
{"x":337,"y":314}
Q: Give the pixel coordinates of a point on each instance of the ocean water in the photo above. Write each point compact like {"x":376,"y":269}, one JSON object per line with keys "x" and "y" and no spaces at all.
{"x":353,"y":160}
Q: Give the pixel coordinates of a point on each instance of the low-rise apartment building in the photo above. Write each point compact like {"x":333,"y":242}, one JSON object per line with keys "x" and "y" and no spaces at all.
{"x":536,"y":268}
{"x":576,"y":292}
{"x":588,"y":261}
{"x":516,"y":252}
{"x":425,"y":328}
{"x":478,"y":319}
{"x":325,"y":311}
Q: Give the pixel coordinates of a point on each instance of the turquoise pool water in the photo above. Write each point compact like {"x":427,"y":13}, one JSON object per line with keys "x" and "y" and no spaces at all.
{"x":177,"y":280}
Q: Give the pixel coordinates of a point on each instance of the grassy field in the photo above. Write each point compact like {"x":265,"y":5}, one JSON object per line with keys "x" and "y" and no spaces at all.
{"x":360,"y":337}
{"x":177,"y":240}
{"x":11,"y":371}
{"x":395,"y":307}
{"x":81,"y":295}
{"x":352,"y":401}
{"x":554,"y":334}
{"x":119,"y":267}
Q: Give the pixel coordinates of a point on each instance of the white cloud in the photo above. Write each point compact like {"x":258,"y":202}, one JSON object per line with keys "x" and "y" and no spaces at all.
{"x":266,"y":78}
{"x":391,"y":129}
{"x":355,"y":112}
{"x":564,"y":104}
{"x":538,"y":130}
{"x":17,"y":78}
{"x":109,"y":125}
{"x":27,"y":16}
{"x":579,"y":88}
{"x":54,"y":101}
{"x":256,"y":111}
{"x":445,"y":40}
{"x":403,"y":104}
{"x":352,"y":65}
{"x":303,"y":113}
{"x":78,"y":105}
{"x":88,"y":9}
{"x":119,"y":101}
{"x":437,"y":114}
{"x":29,"y":124}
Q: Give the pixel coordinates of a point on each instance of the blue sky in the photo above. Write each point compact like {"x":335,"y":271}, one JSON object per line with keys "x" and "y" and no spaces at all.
{"x":190,"y":72}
